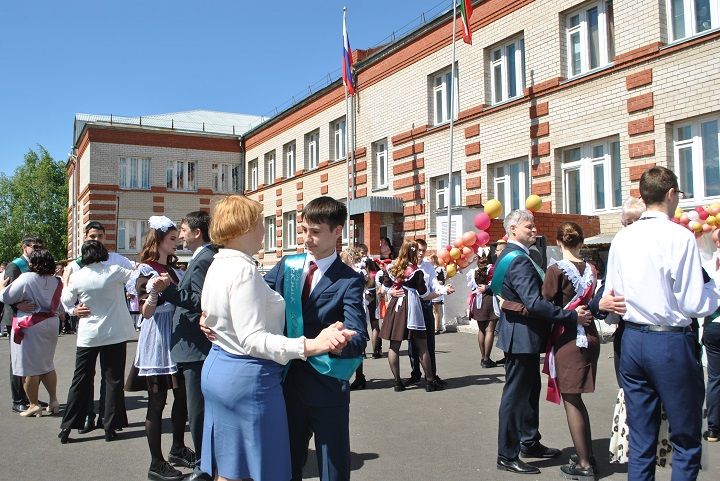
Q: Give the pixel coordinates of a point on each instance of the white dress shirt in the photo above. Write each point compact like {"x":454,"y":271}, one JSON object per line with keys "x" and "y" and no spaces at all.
{"x":655,"y":264}
{"x":322,"y":266}
{"x":114,"y":259}
{"x":248,"y":317}
{"x":431,"y":280}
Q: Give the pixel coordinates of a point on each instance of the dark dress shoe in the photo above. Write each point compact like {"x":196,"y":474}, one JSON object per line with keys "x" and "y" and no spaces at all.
{"x":440,"y":381}
{"x":574,"y":459}
{"x":198,"y":475}
{"x":19,"y":407}
{"x":110,"y":435}
{"x":183,"y":456}
{"x":89,"y":425}
{"x":573,"y":471}
{"x":377,"y":355}
{"x":399,"y":386}
{"x":64,"y":436}
{"x":162,"y":471}
{"x":412,"y":380}
{"x":434,"y":385}
{"x":500,"y":362}
{"x":359,"y":383}
{"x":488,"y":363}
{"x":538,"y":450}
{"x":516,"y":466}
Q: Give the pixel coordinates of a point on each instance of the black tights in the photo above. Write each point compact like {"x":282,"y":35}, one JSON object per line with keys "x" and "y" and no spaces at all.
{"x":579,"y":424}
{"x":157,"y":399}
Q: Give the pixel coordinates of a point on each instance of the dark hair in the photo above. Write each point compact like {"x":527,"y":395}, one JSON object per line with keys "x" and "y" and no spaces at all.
{"x":362,"y":246}
{"x":393,"y":254}
{"x":42,"y":262}
{"x":31,"y":240}
{"x":421,"y":243}
{"x":94,"y":225}
{"x":199,"y":220}
{"x":481,"y":271}
{"x":150,"y":252}
{"x":93,"y":251}
{"x":655,"y":183}
{"x":570,"y":234}
{"x":325,"y":210}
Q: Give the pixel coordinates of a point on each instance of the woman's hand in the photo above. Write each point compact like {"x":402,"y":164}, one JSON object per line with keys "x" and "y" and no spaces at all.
{"x":501,"y":301}
{"x":209,"y":333}
{"x":331,"y":339}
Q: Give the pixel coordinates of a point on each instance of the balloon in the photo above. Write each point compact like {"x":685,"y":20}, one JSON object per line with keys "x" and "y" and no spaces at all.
{"x":455,"y":253}
{"x":463,"y":263}
{"x":483,"y":238}
{"x":444,"y":255}
{"x":468,"y":252}
{"x":702,"y":213}
{"x":451,"y":270}
{"x":714,"y":208}
{"x":533,"y":203}
{"x":505,"y":237}
{"x":493,"y":208}
{"x":684,"y":219}
{"x":459,"y":242}
{"x":711,"y":220}
{"x":482,"y":221}
{"x":706,"y":228}
{"x":675,"y":220}
{"x":695,"y":226}
{"x":692,"y":215}
{"x":469,"y":238}
{"x":678,"y":212}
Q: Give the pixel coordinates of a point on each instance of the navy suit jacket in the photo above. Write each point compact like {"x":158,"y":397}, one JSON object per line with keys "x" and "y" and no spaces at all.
{"x":338,"y":296}
{"x":518,"y":334}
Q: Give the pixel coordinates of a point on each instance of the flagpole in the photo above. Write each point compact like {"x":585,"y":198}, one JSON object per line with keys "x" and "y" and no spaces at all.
{"x":347,"y":143}
{"x":452,"y":125}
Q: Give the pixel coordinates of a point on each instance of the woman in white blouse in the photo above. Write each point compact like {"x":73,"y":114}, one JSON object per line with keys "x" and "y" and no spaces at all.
{"x":246,"y":431}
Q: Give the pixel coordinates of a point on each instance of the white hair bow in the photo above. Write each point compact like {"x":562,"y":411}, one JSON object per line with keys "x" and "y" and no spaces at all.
{"x":160,"y":222}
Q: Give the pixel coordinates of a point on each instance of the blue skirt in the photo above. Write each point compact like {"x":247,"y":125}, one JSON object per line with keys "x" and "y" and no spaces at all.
{"x":245,"y":433}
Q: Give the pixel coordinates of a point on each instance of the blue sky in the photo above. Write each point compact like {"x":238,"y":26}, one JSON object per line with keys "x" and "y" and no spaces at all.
{"x":133,"y":57}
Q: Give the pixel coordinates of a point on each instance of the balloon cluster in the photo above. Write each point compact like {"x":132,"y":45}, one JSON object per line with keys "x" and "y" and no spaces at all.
{"x":700,"y":220}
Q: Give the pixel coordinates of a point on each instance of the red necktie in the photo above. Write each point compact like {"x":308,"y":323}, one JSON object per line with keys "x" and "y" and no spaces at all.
{"x":307,"y":287}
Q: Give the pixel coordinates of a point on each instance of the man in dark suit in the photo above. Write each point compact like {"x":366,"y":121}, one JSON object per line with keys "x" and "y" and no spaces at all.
{"x":522,"y":339}
{"x":318,"y":404}
{"x":188,"y":346}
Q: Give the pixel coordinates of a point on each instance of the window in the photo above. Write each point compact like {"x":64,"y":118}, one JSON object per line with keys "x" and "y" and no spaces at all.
{"x":339,"y":139}
{"x":270,"y":233}
{"x":289,"y":154}
{"x":381,"y":166}
{"x":312,"y":149}
{"x":180,"y":175}
{"x":510,"y":183}
{"x":130,"y":235}
{"x":690,"y":17}
{"x":591,"y":177}
{"x":507,"y":70}
{"x":253,"y":174}
{"x":290,"y":229}
{"x":439,"y":186}
{"x":695,"y":147}
{"x":270,"y":167}
{"x":346,"y":227}
{"x":134,"y":173}
{"x":442,"y":89}
{"x":589,"y":37}
{"x":226,"y":178}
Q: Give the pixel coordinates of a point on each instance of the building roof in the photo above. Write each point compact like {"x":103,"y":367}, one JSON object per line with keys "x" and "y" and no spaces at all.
{"x":208,"y":121}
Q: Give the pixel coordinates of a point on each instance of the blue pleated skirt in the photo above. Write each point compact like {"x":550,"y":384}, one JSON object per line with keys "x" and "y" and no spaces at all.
{"x":245,"y":432}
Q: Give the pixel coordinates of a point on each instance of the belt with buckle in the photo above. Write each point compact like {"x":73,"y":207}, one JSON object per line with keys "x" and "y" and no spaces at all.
{"x":654,"y":328}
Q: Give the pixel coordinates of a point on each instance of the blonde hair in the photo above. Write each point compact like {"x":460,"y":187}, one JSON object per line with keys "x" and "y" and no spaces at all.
{"x":233,"y":216}
{"x":350,"y":255}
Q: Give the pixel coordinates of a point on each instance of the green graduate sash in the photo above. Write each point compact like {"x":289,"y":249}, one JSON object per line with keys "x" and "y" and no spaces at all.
{"x":340,"y":368}
{"x":504,"y":265}
{"x":21,"y":264}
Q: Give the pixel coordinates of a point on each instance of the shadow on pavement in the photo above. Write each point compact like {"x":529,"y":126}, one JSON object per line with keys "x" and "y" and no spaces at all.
{"x":600,"y":448}
{"x":357,"y":460}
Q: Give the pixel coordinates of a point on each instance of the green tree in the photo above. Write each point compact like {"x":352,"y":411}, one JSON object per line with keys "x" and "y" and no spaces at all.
{"x":34,"y":201}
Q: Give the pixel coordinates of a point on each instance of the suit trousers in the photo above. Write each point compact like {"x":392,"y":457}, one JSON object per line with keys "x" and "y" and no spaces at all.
{"x":191,"y":372}
{"x":519,"y":413}
{"x":16,"y":385}
{"x":655,"y":368}
{"x":101,"y":399}
{"x":711,"y":341}
{"x":330,"y":425}
{"x":112,"y":364}
{"x":429,"y":319}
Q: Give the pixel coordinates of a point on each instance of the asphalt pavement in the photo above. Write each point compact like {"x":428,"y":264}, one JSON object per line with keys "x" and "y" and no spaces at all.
{"x":413,"y":435}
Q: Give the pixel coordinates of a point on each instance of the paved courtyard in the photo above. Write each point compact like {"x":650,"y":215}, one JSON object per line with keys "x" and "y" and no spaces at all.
{"x":412,"y":435}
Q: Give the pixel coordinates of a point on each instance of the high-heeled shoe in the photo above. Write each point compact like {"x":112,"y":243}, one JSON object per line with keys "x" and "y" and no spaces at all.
{"x":53,"y":407}
{"x":64,"y":436}
{"x":34,"y":411}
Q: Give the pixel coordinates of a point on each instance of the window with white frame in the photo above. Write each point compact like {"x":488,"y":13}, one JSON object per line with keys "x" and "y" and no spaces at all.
{"x":695,"y":148}
{"x":691,"y":17}
{"x":439,"y":185}
{"x":289,"y":166}
{"x":270,"y":167}
{"x":507,"y":70}
{"x":226,"y":178}
{"x":130,"y":235}
{"x":339,"y":139}
{"x":290,"y":229}
{"x":312,"y":149}
{"x":510,"y":183}
{"x":381,"y":167}
{"x":134,"y":173}
{"x":253,"y":174}
{"x":180,"y":175}
{"x":591,"y":177}
{"x":270,"y":233}
{"x":589,"y":37}
{"x":442,"y":90}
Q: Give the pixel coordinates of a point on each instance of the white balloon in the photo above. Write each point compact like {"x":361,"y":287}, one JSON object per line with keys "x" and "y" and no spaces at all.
{"x":693,"y":215}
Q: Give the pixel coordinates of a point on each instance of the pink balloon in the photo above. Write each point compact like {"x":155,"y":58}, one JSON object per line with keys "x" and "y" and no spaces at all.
{"x":706,"y":228}
{"x":468,"y":251}
{"x":483,"y":237}
{"x":459,"y":242}
{"x":448,"y":247}
{"x":684,"y":219}
{"x":482,"y":221}
{"x":702,"y":213}
{"x":469,"y":238}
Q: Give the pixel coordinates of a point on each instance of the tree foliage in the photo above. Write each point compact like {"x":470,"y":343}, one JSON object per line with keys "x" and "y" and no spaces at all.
{"x":34,"y":201}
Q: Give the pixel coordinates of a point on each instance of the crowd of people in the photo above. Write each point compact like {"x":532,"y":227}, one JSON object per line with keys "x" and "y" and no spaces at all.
{"x":260,"y":364}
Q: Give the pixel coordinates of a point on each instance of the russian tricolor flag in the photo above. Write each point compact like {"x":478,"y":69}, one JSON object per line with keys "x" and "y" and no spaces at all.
{"x":347,"y":61}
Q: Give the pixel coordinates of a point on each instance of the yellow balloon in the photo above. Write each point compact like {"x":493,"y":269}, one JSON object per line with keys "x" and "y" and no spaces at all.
{"x":455,"y":253}
{"x":493,"y":208}
{"x":711,"y":220}
{"x":533,"y":203}
{"x":678,"y":212}
{"x":451,"y":270}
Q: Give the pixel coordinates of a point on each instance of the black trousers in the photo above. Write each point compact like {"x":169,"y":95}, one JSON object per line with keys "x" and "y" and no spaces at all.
{"x":112,"y":365}
{"x":429,"y":319}
{"x":519,"y":413}
{"x":191,"y":372}
{"x":16,"y":384}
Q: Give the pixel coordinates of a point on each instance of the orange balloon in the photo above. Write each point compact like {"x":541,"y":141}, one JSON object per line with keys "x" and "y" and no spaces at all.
{"x":469,"y":238}
{"x":468,"y":252}
{"x":459,"y":242}
{"x":444,"y":255}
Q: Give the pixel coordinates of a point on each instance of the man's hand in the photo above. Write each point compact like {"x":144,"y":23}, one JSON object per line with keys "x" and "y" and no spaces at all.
{"x":612,"y":303}
{"x":81,"y":310}
{"x":584,"y":316}
{"x":331,"y":339}
{"x":397,"y":292}
{"x":450,"y":289}
{"x":25,"y":306}
{"x":209,"y":333}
